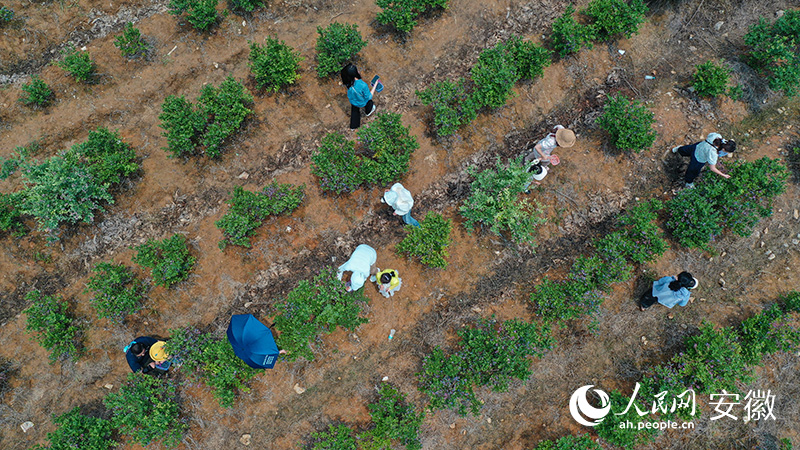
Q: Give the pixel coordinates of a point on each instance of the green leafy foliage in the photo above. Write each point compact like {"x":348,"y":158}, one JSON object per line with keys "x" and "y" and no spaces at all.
{"x":580,"y":442}
{"x":452,"y":105}
{"x":559,"y":301}
{"x":791,"y":302}
{"x":494,"y":202}
{"x":249,"y":209}
{"x":169,"y":259}
{"x":130,"y":42}
{"x":337,"y":44}
{"x":775,"y":51}
{"x":313,"y":307}
{"x":386,"y":149}
{"x":403,"y":14}
{"x":336,"y":437}
{"x":220,"y":113}
{"x":78,"y":64}
{"x":245,"y":5}
{"x":212,"y":360}
{"x":529,"y":58}
{"x":202,"y":14}
{"x":109,"y":159}
{"x":55,"y":328}
{"x":495,"y":75}
{"x":491,"y":354}
{"x":10,"y":215}
{"x":768,"y":332}
{"x":639,"y":239}
{"x":393,"y":419}
{"x":116,"y":291}
{"x":711,"y":80}
{"x":6,"y":14}
{"x":715,"y":204}
{"x":429,"y":241}
{"x":146,"y":408}
{"x":569,"y":36}
{"x":18,"y":157}
{"x":36,"y":93}
{"x":712,"y":361}
{"x":610,"y":431}
{"x":628,"y":123}
{"x":614,"y":18}
{"x":76,"y":430}
{"x":274,"y":64}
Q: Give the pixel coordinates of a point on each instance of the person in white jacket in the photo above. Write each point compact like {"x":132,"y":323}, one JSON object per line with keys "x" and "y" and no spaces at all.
{"x":399,"y":198}
{"x":360,"y":264}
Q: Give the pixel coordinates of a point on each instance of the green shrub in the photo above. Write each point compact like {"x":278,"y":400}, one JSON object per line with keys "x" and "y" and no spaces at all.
{"x":393,"y":419}
{"x":775,"y":51}
{"x":78,"y":64}
{"x":569,"y":36}
{"x":337,"y":44}
{"x":389,"y":147}
{"x":429,"y":241}
{"x":10,"y":215}
{"x":580,"y":442}
{"x":212,"y":360}
{"x":61,"y":190}
{"x":700,"y":214}
{"x":494,"y":203}
{"x":130,"y":42}
{"x":313,"y":307}
{"x":791,"y":302}
{"x":614,"y":18}
{"x":491,"y":353}
{"x":529,"y":58}
{"x":403,"y":14}
{"x":339,"y":437}
{"x":36,"y":93}
{"x":595,"y":273}
{"x":108,"y":158}
{"x":220,"y":113}
{"x":116,"y":291}
{"x":17,"y":158}
{"x":767,"y":332}
{"x":452,"y":106}
{"x":495,"y":75}
{"x":202,"y":14}
{"x":712,"y":361}
{"x":710,"y":79}
{"x":6,"y":15}
{"x":559,"y":301}
{"x":274,"y":65}
{"x":245,"y":5}
{"x":169,"y":259}
{"x":54,"y":327}
{"x":639,"y":240}
{"x":182,"y":125}
{"x":146,"y":408}
{"x":335,"y":165}
{"x":612,"y":431}
{"x":76,"y":430}
{"x":249,"y":209}
{"x":628,"y":123}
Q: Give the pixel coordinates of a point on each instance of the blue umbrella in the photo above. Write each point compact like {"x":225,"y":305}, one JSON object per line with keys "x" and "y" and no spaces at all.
{"x":252,"y":341}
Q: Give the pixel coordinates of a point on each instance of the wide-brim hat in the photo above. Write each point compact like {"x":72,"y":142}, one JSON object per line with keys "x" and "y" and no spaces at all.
{"x":565,"y":137}
{"x":157,"y":352}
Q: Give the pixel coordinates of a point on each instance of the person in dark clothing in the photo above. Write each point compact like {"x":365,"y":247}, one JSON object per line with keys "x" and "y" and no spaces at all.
{"x":359,"y":94}
{"x":138,"y":354}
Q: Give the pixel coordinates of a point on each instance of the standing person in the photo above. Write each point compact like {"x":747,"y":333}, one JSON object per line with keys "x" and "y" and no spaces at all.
{"x":702,"y":153}
{"x":137,"y":354}
{"x":560,"y":137}
{"x":360,"y":264}
{"x":359,"y":94}
{"x":389,"y":282}
{"x":400,"y":199}
{"x":669,"y":291}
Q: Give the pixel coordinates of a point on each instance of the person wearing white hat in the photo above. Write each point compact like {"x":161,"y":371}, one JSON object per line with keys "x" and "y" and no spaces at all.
{"x":702,"y":153}
{"x":359,"y":264}
{"x":400,"y":199}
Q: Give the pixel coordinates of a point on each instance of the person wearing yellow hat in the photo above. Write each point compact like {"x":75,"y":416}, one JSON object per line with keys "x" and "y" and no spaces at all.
{"x":160,"y":359}
{"x":560,"y":137}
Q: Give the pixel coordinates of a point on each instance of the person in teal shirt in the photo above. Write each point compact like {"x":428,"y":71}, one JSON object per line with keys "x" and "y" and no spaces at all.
{"x":359,"y":94}
{"x":669,"y":291}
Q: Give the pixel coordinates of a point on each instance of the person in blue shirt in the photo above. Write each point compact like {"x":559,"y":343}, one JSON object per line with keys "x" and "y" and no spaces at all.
{"x":359,"y":94}
{"x":669,"y":291}
{"x":138,"y":354}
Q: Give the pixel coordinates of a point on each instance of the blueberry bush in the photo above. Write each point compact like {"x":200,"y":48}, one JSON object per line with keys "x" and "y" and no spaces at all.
{"x":453,"y":106}
{"x":393,"y":419}
{"x":274,"y":64}
{"x":569,"y":36}
{"x":629,"y":124}
{"x":54,"y":326}
{"x":711,"y":80}
{"x":78,"y":64}
{"x":168,"y":259}
{"x":335,"y":164}
{"x":10,"y":215}
{"x":638,"y":238}
{"x":130,"y":42}
{"x":611,"y":431}
{"x":775,"y":51}
{"x":579,"y":442}
{"x":249,"y":209}
{"x":429,"y":241}
{"x":403,"y":14}
{"x":245,"y":5}
{"x":336,"y":437}
{"x":614,"y":18}
{"x":36,"y":93}
{"x":116,"y":292}
{"x":201,"y":14}
{"x":337,"y":44}
{"x":76,"y":430}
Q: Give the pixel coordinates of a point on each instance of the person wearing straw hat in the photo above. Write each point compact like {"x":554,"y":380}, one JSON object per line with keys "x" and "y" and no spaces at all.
{"x":560,"y":137}
{"x":160,"y":359}
{"x":669,"y":291}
